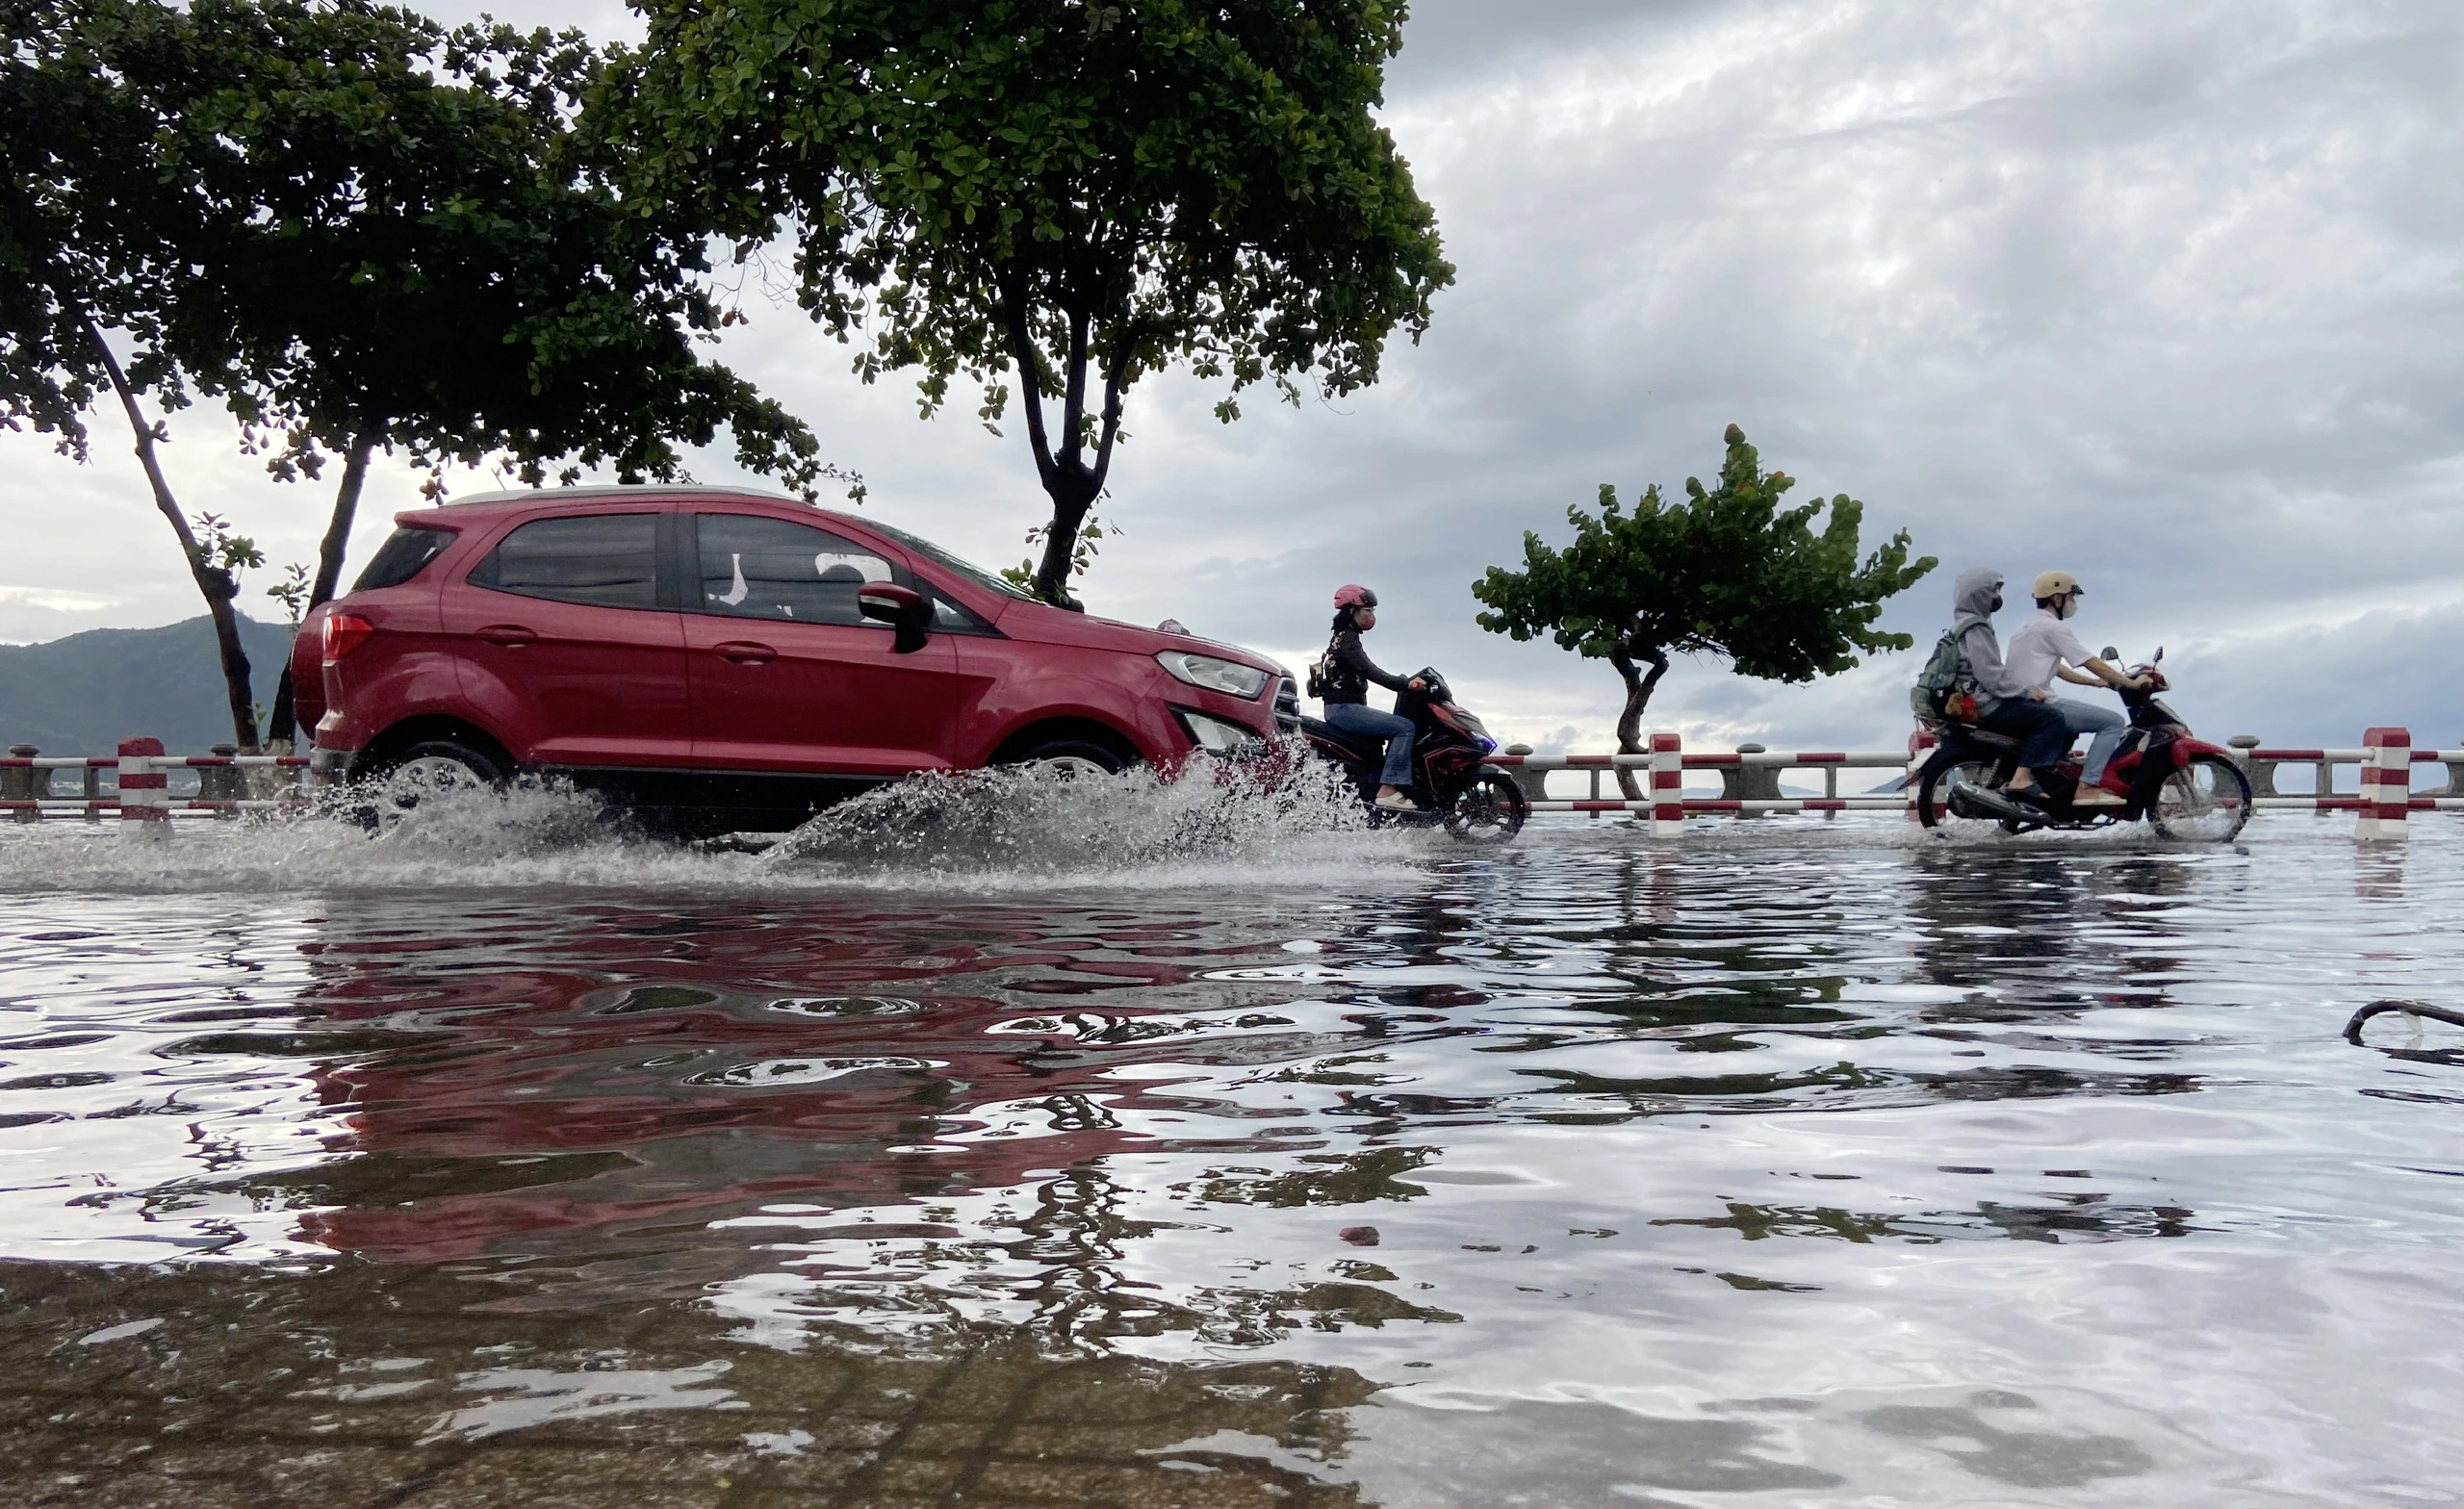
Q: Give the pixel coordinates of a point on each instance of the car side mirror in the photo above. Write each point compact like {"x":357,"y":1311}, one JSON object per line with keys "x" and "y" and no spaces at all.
{"x":903,"y":609}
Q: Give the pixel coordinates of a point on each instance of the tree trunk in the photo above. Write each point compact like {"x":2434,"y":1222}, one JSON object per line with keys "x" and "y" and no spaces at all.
{"x":1069,"y":480}
{"x":214,"y":583}
{"x":329,"y":568}
{"x":1639,"y":696}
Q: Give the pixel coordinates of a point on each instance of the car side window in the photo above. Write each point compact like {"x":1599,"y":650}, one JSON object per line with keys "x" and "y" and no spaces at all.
{"x":605,"y":561}
{"x":754,"y":566}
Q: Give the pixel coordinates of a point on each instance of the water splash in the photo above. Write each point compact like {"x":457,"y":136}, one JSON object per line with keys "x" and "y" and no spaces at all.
{"x":985,"y":831}
{"x":1029,"y":820}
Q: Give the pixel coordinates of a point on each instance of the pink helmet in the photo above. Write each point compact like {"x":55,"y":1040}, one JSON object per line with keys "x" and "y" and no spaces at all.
{"x":1355,"y":596}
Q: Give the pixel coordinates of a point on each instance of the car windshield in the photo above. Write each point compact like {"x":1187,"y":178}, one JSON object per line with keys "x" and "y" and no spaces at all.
{"x":942,"y":558}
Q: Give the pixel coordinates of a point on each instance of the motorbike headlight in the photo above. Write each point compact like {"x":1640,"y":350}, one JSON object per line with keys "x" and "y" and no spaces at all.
{"x":1214,"y":676}
{"x":1219,"y":735}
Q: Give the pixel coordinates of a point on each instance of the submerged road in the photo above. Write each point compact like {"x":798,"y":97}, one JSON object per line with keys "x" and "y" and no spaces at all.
{"x":1165,"y":1158}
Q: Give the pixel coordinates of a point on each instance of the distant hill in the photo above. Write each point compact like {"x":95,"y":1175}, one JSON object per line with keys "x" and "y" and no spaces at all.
{"x":82,"y":695}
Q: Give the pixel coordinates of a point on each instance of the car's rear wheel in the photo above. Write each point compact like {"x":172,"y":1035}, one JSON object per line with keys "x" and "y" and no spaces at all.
{"x":436,"y":766}
{"x":1070,"y":759}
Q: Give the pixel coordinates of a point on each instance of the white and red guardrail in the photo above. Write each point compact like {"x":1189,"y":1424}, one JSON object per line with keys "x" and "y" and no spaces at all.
{"x":1750,"y":779}
{"x":228,"y":784}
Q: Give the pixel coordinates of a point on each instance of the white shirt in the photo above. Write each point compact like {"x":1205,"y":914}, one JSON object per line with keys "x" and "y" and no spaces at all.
{"x":2042,"y":643}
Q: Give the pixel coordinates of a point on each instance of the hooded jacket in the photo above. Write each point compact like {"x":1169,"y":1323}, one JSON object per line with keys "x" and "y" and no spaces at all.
{"x":1980,"y":652}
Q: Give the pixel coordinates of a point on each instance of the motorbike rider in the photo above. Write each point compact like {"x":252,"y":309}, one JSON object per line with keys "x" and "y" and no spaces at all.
{"x":2003,"y":703}
{"x":2043,"y":648}
{"x":1343,"y":677}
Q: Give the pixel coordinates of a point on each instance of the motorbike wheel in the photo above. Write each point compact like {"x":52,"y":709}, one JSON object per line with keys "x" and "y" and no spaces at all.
{"x":1934,"y":798}
{"x":1490,"y":810}
{"x":2204,"y":802}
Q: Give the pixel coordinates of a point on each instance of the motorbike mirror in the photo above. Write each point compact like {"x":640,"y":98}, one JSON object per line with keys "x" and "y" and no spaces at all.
{"x":2109,"y":653}
{"x":2159,"y":657}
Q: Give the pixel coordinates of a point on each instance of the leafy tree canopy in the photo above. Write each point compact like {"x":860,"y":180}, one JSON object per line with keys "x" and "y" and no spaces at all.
{"x":1064,"y":195}
{"x":1727,"y":572}
{"x":407,"y":245}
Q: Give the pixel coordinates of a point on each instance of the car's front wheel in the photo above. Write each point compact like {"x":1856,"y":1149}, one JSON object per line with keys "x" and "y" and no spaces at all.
{"x":1070,"y":758}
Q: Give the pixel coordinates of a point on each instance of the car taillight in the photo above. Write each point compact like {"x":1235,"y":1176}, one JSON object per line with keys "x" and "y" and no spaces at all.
{"x":345,"y":632}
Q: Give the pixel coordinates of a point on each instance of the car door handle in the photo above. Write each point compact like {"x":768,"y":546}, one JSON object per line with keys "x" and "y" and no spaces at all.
{"x":513,"y":636}
{"x":745,"y":651}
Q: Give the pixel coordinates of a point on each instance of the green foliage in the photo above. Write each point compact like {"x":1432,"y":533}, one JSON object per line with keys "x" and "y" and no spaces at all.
{"x":293,"y":591}
{"x":404,"y":242}
{"x":86,"y":214}
{"x":1082,"y":552}
{"x":1052,"y":193}
{"x":222,"y":550}
{"x":1726,"y":572}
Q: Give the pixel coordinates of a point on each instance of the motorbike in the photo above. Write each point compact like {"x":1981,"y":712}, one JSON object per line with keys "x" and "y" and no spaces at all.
{"x":1449,"y":782}
{"x":2182,"y":786}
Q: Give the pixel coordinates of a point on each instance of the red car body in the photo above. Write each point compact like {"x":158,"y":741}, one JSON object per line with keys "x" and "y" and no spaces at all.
{"x":679,"y":649}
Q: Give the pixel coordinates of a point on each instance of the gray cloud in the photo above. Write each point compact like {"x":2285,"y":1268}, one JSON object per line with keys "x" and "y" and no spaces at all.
{"x":2168,"y":296}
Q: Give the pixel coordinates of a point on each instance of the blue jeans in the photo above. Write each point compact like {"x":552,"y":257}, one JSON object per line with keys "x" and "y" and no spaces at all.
{"x":1370,"y":724}
{"x":2106,"y":725}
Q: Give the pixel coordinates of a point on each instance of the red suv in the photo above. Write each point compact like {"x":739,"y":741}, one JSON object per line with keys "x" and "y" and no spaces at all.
{"x":734,"y":661}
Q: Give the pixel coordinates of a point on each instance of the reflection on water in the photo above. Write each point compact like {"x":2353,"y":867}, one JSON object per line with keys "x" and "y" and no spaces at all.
{"x":1802,"y":1163}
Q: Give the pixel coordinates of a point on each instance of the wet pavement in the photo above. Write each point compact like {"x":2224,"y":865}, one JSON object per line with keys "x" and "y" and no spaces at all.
{"x":1790,"y":1162}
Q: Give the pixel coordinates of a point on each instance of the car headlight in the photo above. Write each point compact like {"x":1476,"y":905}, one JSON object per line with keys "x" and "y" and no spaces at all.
{"x":1219,"y":735}
{"x":1216,"y":676}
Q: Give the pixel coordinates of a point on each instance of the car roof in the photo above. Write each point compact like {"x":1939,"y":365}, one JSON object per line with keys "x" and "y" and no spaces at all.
{"x":480,"y":507}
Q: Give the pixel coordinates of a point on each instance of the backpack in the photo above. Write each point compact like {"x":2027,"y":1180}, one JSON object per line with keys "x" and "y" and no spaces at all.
{"x":1324,"y":674}
{"x":1945,"y":688}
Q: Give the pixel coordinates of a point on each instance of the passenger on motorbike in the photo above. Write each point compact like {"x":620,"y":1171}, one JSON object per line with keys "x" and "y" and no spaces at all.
{"x":2005,"y":704}
{"x":2044,"y":648}
{"x":1343,"y":677}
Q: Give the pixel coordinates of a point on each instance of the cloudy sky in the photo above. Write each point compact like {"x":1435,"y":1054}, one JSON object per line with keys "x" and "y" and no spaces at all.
{"x":2166,"y":295}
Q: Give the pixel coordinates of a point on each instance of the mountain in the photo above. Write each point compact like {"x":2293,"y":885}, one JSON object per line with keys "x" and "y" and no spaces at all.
{"x":82,"y":695}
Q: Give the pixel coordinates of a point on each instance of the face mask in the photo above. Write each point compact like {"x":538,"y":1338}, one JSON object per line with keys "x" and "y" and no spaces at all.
{"x":2069,"y":609}
{"x":1996,"y":605}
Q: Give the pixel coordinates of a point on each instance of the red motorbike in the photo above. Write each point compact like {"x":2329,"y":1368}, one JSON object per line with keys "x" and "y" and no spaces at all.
{"x":2187,"y":787}
{"x":1449,"y":781}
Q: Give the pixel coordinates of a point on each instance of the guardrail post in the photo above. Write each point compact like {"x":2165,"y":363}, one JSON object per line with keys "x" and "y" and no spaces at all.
{"x":145,"y":790}
{"x":1749,"y":783}
{"x":1920,"y":749}
{"x":222,"y":783}
{"x":1534,"y":782}
{"x":2262,"y":772}
{"x":2386,"y":784}
{"x":2455,"y":768}
{"x":24,"y":783}
{"x":1668,"y":786}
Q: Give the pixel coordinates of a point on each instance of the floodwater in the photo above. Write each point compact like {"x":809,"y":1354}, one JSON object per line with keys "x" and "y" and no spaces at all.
{"x":1029,"y":1146}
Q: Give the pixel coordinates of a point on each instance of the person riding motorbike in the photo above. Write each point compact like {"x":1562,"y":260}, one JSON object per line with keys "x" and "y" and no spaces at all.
{"x":2004,"y":702}
{"x":2045,"y":648}
{"x":1343,"y":681}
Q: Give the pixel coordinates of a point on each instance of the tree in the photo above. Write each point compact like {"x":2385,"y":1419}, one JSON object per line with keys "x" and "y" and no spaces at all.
{"x":1726,"y":573}
{"x":1066,"y":194}
{"x":411,"y":251}
{"x":87,"y":212}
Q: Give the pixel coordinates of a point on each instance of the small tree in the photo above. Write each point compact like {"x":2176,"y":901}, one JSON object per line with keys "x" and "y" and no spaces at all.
{"x":1078,"y":193}
{"x":1725,"y":572}
{"x":87,"y":212}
